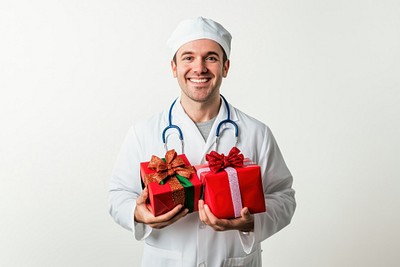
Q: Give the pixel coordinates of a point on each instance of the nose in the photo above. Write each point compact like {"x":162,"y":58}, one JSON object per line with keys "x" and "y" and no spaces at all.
{"x":199,"y":66}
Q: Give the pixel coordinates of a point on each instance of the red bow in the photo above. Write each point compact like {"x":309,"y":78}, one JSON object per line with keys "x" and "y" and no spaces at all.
{"x":217,"y":162}
{"x":172,"y":165}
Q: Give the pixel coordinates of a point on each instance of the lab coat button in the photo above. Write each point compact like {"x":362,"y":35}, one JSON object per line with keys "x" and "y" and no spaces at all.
{"x":202,"y":264}
{"x":202,"y":226}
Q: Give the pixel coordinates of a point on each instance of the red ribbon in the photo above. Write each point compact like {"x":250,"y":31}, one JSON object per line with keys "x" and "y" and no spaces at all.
{"x":217,"y":162}
{"x":173,"y":165}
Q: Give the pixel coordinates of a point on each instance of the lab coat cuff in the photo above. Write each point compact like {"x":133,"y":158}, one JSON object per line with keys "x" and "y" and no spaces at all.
{"x":141,"y":231}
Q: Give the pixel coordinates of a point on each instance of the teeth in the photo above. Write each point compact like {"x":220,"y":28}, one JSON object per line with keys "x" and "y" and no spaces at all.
{"x":199,"y":80}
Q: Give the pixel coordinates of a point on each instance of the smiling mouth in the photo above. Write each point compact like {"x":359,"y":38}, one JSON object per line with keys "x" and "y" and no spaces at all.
{"x":204,"y":80}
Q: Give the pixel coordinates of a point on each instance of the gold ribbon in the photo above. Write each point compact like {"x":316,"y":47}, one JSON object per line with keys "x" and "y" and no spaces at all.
{"x":167,"y":170}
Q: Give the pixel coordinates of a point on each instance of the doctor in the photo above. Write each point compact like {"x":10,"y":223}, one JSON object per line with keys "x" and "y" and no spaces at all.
{"x":200,"y":50}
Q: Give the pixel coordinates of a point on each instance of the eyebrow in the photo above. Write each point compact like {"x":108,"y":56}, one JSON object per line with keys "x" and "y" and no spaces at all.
{"x":184,"y":53}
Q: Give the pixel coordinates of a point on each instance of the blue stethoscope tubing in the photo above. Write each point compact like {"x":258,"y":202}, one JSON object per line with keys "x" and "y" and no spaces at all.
{"x":218,"y":131}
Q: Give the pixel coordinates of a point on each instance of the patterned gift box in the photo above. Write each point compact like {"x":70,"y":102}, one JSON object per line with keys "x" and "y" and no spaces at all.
{"x":171,"y":181}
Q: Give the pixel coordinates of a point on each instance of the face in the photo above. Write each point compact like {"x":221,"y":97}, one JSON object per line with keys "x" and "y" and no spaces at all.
{"x":199,"y":69}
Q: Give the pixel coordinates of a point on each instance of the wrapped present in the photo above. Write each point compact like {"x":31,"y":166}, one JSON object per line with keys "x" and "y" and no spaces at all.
{"x":171,"y":181}
{"x":231,"y":183}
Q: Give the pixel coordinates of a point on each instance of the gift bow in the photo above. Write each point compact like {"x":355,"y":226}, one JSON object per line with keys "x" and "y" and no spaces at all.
{"x":217,"y":162}
{"x":172,"y":166}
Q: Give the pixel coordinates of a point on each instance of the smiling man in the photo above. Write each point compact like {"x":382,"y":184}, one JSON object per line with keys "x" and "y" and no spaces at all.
{"x":200,"y":50}
{"x":199,"y":67}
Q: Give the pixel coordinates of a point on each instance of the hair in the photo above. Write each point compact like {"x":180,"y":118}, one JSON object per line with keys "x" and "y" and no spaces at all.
{"x":224,"y":57}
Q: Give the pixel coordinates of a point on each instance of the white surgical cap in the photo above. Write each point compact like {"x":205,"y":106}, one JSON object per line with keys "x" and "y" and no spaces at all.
{"x":199,"y":28}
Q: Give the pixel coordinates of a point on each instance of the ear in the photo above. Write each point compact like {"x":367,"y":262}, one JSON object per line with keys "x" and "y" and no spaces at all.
{"x":173,"y":67}
{"x":226,"y":68}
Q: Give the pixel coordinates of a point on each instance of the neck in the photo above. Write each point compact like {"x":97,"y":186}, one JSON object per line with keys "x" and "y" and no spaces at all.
{"x":201,"y":111}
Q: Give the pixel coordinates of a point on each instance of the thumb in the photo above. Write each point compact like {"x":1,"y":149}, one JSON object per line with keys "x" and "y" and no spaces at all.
{"x":143,"y":196}
{"x":245,"y":213}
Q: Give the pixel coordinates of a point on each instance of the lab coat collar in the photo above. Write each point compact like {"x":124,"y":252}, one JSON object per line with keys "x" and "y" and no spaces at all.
{"x":180,"y":118}
{"x":179,"y":115}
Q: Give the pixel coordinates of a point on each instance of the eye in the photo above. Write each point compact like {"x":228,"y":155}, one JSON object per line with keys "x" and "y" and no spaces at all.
{"x":187,"y":58}
{"x":211,"y":59}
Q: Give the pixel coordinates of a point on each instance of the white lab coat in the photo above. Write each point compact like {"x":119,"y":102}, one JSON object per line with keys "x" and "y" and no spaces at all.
{"x":188,"y":242}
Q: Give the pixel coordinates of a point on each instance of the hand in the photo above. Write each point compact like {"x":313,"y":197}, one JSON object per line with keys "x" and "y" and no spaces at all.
{"x":245,"y":223}
{"x":143,"y":215}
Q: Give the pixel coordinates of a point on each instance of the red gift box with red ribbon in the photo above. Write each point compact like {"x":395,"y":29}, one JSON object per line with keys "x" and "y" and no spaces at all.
{"x":231,"y":183}
{"x":171,"y":181}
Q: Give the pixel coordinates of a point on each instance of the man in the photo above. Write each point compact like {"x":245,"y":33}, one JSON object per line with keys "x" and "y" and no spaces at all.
{"x":200,"y":50}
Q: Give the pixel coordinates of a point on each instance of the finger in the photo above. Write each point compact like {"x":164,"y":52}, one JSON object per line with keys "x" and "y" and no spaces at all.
{"x":246,"y":222}
{"x":216,"y":223}
{"x":211,"y":219}
{"x":167,"y":216}
{"x":245,"y":213}
{"x":203,"y":214}
{"x":142,"y":214}
{"x":143,"y":196}
{"x":201,"y":210}
{"x":208,"y":213}
{"x":160,"y":225}
{"x":179,"y":216}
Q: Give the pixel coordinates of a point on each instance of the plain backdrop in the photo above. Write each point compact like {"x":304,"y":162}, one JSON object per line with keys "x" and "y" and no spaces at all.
{"x":76,"y":74}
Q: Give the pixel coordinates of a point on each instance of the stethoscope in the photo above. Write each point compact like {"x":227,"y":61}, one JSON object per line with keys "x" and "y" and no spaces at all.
{"x":173,"y":126}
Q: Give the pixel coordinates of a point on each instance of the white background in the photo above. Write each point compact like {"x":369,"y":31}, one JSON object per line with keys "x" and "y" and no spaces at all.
{"x":75,"y":75}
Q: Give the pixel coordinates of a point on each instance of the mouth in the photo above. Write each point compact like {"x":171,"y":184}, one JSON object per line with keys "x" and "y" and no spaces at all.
{"x":199,"y":80}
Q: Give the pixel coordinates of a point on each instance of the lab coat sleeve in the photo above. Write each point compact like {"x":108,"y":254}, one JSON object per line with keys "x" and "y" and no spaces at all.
{"x":278,"y":193}
{"x":125,"y":187}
